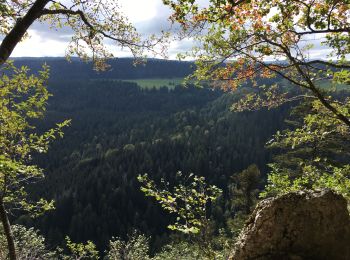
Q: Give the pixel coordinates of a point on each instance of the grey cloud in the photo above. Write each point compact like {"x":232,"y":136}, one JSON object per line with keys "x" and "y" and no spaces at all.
{"x":181,"y":47}
{"x":184,"y":45}
{"x":152,"y":26}
{"x":157,"y":24}
{"x":59,"y":34}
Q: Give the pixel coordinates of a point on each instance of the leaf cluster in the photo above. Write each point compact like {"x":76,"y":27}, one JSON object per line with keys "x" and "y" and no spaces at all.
{"x":188,"y":200}
{"x":314,"y":155}
{"x":23,"y":99}
{"x":243,"y":41}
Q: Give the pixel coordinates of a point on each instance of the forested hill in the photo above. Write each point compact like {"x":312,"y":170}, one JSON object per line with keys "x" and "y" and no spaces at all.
{"x":121,"y":68}
{"x":120,"y":130}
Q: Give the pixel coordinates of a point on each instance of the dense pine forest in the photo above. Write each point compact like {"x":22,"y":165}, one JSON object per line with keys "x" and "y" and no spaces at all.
{"x":119,"y":131}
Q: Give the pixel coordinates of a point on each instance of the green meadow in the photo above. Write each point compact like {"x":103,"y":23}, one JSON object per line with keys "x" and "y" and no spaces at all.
{"x":326,"y":84}
{"x":157,"y":82}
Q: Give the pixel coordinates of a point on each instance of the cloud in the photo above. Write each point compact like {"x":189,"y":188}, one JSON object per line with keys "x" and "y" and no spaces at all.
{"x":39,"y":45}
{"x":157,"y":23}
{"x":58,"y":34}
{"x":149,"y":17}
{"x":139,"y":10}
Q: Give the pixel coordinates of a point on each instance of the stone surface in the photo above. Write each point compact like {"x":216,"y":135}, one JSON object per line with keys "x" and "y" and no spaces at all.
{"x":302,"y":225}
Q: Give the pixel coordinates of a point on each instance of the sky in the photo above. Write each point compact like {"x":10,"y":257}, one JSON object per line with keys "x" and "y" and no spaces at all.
{"x":148,"y":16}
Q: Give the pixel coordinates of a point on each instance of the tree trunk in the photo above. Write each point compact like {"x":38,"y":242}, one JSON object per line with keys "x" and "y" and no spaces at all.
{"x":8,"y":233}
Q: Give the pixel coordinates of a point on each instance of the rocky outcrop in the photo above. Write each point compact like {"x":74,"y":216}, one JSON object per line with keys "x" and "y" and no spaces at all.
{"x":301,"y":225}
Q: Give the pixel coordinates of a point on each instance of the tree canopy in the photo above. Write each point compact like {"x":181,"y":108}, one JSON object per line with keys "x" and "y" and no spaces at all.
{"x":240,"y":40}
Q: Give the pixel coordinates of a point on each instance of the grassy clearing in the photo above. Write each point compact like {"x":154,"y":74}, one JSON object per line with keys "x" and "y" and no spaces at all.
{"x":326,"y":84}
{"x":157,"y":82}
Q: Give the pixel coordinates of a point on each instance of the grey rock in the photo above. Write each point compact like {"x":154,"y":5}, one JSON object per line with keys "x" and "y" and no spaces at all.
{"x":296,"y":226}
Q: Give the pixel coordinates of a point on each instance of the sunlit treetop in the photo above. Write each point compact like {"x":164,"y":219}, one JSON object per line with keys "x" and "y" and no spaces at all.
{"x":95,"y":24}
{"x":241,"y":40}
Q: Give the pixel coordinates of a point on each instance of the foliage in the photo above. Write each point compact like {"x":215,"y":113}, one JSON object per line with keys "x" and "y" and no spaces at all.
{"x":188,"y":200}
{"x":245,"y":189}
{"x":315,"y":154}
{"x":179,"y":250}
{"x":184,"y":249}
{"x":22,"y":99}
{"x":80,"y":250}
{"x":135,"y":248}
{"x":237,"y":40}
{"x":334,"y":178}
{"x":29,"y":243}
{"x":235,"y":225}
{"x":243,"y":192}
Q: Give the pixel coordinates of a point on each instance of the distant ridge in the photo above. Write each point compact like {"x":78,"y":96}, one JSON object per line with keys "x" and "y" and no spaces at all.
{"x":120,"y":68}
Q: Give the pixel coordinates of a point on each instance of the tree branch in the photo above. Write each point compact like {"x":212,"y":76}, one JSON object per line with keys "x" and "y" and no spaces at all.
{"x":312,"y":31}
{"x":92,"y":28}
{"x":16,"y":34}
{"x":318,"y":93}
